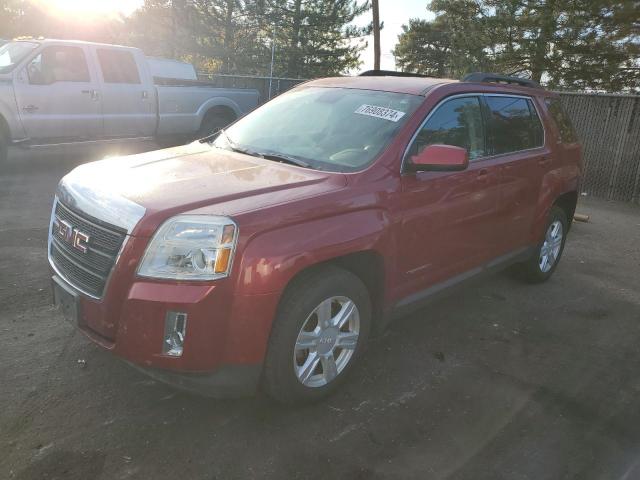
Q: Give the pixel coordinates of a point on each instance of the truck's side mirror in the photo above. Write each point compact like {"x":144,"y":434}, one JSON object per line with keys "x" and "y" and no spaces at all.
{"x":439,"y":158}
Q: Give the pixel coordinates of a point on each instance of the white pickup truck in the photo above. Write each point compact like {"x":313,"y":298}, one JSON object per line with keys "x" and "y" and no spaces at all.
{"x":59,"y":92}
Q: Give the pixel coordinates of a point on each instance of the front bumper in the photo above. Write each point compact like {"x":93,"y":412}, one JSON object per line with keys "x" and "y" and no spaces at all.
{"x":225,"y":341}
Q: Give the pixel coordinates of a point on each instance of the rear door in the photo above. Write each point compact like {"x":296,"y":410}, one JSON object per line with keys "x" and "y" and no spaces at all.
{"x":449,"y":223}
{"x":517,"y":143}
{"x":58,"y":95}
{"x":128,"y":94}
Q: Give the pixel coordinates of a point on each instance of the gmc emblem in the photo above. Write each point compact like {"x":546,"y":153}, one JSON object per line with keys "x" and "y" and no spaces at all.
{"x":74,"y":237}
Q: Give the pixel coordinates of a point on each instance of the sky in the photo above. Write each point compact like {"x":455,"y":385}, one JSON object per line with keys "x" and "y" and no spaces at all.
{"x":394,"y":13}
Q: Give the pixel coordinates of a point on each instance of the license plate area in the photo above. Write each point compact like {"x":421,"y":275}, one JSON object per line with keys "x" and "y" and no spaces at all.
{"x":66,"y":300}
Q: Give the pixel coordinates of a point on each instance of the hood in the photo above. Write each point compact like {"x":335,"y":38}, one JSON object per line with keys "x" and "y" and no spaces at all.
{"x":122,"y":190}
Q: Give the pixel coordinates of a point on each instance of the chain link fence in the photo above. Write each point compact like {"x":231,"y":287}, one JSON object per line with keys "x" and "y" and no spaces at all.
{"x":609,"y":129}
{"x":267,"y":86}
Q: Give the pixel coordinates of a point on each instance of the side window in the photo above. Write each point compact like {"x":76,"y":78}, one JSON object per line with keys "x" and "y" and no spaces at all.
{"x":537,"y":130}
{"x":456,"y":122}
{"x":560,"y":117}
{"x":118,"y":66}
{"x":58,"y":64}
{"x":512,"y":125}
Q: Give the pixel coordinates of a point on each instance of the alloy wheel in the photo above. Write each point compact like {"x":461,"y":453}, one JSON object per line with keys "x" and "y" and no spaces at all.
{"x":326,"y":342}
{"x":550,"y":250}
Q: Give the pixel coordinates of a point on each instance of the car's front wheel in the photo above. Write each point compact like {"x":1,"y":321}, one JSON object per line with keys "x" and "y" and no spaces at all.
{"x":322,"y":324}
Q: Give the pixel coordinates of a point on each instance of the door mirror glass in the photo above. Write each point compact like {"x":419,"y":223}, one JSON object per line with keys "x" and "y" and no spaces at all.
{"x":439,"y":158}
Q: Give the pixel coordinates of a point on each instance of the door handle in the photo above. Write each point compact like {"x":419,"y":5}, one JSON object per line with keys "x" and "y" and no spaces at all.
{"x":30,"y":108}
{"x":145,"y":94}
{"x":544,"y":161}
{"x":483,"y":174}
{"x":95,"y":95}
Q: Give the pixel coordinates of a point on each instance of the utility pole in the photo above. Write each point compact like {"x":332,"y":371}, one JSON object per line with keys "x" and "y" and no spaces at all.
{"x":376,"y":35}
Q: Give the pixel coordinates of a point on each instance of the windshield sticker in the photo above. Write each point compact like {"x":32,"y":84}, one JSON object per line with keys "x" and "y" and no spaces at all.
{"x":379,"y":112}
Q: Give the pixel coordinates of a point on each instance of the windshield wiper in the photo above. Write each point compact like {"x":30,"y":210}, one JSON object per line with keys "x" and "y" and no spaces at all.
{"x":279,"y":157}
{"x":234,"y":147}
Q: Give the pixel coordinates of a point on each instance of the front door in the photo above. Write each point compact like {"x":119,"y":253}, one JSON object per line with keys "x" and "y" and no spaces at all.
{"x":449,"y":225}
{"x":57,"y":97}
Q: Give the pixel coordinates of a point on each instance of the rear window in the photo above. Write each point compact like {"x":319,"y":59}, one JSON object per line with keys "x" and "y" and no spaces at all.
{"x":514,"y":124}
{"x":118,"y":66}
{"x":560,"y":117}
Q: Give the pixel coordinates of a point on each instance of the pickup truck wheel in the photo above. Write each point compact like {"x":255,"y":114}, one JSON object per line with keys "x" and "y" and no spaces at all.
{"x":214,"y":121}
{"x":547,"y":254}
{"x":321,"y":327}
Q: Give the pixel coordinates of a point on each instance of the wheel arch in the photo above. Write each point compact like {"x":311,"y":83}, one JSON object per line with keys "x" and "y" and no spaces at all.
{"x":219,"y":103}
{"x":567,"y":202}
{"x":367,"y":265}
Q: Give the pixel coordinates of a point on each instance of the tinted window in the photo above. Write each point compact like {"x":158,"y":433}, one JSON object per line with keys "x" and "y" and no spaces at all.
{"x":560,"y":117}
{"x":513,"y":127}
{"x":118,"y":66}
{"x":456,"y":122}
{"x":537,"y":131}
{"x":58,"y":64}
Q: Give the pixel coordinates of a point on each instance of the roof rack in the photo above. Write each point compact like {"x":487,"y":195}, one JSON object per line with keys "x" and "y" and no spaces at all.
{"x":388,"y":73}
{"x":483,"y":77}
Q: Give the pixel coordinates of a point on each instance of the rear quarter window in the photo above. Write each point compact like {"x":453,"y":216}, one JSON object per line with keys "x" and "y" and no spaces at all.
{"x":514,"y":124}
{"x":562,"y":120}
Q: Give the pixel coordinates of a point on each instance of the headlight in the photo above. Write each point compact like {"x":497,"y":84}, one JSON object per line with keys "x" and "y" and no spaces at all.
{"x":191,"y":247}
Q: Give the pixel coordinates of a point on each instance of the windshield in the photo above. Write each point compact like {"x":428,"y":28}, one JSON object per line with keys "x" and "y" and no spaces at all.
{"x":12,"y":53}
{"x":335,"y":129}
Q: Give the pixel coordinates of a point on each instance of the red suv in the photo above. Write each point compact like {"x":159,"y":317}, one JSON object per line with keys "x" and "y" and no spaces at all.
{"x":266,"y":254}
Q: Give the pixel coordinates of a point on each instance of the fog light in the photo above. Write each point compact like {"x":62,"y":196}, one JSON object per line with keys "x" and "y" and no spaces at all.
{"x":175,"y":328}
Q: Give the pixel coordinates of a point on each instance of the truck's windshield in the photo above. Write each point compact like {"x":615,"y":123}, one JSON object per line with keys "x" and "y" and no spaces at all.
{"x":336,"y":129}
{"x":12,"y":53}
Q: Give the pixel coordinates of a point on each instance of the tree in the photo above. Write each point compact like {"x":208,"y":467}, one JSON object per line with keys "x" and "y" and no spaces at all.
{"x":571,"y":44}
{"x":315,"y":37}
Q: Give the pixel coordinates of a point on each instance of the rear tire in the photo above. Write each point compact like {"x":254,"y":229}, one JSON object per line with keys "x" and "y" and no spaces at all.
{"x":545,"y":259}
{"x":215,"y":120}
{"x":319,"y":333}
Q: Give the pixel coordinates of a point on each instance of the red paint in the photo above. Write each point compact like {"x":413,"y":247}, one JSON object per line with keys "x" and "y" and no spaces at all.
{"x":425,"y":227}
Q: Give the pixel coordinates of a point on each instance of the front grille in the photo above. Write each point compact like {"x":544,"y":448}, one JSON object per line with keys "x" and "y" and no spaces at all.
{"x":87,"y":271}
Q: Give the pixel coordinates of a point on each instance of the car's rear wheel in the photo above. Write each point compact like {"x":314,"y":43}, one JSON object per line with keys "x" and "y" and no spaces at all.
{"x":545,"y":259}
{"x":320,"y":330}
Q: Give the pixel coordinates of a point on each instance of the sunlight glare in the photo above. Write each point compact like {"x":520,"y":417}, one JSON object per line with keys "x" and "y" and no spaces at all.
{"x":91,"y":7}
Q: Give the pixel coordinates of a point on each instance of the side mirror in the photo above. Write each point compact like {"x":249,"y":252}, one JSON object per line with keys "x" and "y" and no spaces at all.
{"x":439,"y":158}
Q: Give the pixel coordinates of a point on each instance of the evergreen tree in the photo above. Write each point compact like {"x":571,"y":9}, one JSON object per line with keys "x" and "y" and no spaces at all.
{"x":570,"y":44}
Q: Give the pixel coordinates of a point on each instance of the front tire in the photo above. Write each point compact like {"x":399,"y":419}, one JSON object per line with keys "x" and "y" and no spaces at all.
{"x":319,"y":332}
{"x":547,"y":254}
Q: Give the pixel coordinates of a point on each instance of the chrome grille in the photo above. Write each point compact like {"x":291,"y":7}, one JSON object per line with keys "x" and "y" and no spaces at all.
{"x":87,"y":271}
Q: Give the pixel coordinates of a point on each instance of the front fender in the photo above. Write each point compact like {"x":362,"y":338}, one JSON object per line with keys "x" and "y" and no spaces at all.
{"x":9,"y":110}
{"x":271,"y":259}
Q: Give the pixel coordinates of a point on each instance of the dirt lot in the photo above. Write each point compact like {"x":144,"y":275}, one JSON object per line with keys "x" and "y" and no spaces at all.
{"x":499,"y":381}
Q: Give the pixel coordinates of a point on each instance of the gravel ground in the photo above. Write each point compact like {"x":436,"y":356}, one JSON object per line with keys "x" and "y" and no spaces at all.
{"x":499,"y":380}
